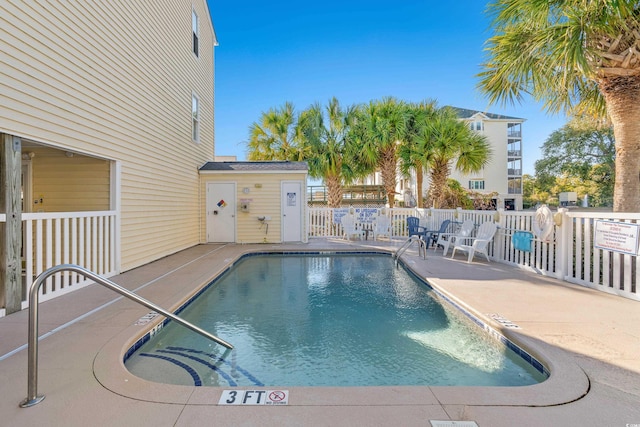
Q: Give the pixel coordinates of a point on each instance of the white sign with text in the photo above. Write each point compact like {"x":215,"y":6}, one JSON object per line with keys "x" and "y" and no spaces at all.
{"x":254,"y":397}
{"x":617,"y":236}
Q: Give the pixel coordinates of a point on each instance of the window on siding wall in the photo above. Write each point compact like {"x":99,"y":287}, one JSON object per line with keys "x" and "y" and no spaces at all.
{"x":195,"y":118}
{"x":477,"y":126}
{"x":194,"y":28}
{"x":476,"y":184}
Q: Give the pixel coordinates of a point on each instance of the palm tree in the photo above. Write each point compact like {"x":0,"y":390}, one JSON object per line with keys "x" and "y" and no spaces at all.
{"x":410,"y":152}
{"x":329,"y":146}
{"x":277,"y":136}
{"x":380,"y":127}
{"x":576,"y":56}
{"x":446,"y":142}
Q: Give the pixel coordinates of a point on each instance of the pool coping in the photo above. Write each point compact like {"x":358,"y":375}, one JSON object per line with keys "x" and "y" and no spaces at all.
{"x":567,"y":381}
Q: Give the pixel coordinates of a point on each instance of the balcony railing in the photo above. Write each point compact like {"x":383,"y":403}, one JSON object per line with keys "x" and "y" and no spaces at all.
{"x":514,"y":172}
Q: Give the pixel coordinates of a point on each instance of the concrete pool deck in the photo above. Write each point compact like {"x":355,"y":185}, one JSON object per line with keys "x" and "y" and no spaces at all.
{"x":590,"y":341}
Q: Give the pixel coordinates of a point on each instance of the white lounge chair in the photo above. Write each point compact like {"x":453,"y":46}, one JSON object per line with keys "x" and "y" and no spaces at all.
{"x":446,"y":239}
{"x":381,"y":227}
{"x":349,"y":227}
{"x":480,"y":244}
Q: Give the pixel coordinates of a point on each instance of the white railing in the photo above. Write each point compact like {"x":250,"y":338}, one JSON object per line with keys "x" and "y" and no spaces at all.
{"x":87,"y":239}
{"x":568,"y":254}
{"x":607,"y":271}
{"x":325,"y":223}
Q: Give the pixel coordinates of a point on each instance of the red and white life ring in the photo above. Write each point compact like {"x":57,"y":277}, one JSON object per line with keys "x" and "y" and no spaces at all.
{"x":542,"y":222}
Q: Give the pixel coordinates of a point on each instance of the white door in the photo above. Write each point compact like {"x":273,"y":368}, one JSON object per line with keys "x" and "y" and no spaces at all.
{"x":221,"y":212}
{"x":292,"y":211}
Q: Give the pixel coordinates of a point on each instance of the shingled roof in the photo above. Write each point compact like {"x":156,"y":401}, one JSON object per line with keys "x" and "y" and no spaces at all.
{"x":465,"y":113}
{"x":255,"y":166}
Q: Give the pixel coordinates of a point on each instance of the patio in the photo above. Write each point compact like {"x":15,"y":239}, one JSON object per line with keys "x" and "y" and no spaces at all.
{"x":589,"y":340}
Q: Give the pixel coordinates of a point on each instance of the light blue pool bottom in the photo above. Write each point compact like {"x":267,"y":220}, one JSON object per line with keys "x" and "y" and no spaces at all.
{"x":408,"y":356}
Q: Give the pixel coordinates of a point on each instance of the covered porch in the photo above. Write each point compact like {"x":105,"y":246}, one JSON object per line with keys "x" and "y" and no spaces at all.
{"x":63,"y":209}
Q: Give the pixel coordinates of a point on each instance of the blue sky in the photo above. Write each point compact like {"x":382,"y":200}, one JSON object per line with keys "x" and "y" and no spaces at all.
{"x":303,"y":52}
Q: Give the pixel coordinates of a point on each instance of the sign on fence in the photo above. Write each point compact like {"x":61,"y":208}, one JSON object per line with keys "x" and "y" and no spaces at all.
{"x":617,"y":237}
{"x":363,"y":215}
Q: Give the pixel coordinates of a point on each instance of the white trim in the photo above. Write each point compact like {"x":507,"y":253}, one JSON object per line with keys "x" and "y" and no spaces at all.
{"x":27,"y":185}
{"x":116,"y":205}
{"x":197,"y":32}
{"x":195,"y":122}
{"x":279,"y":172}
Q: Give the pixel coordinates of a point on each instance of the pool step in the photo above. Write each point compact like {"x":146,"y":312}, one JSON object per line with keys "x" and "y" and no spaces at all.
{"x":192,"y":355}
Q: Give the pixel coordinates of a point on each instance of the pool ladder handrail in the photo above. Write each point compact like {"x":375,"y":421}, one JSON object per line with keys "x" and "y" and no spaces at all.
{"x":422,"y":248}
{"x":32,"y":369}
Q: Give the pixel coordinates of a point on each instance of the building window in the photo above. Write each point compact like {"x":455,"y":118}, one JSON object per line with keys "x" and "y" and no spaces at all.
{"x":476,"y":184}
{"x":194,"y":28}
{"x":477,"y":125}
{"x":514,"y":185}
{"x":514,"y":167}
{"x":195,"y":118}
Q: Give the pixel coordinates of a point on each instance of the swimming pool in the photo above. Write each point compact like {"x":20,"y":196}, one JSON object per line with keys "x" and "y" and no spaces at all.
{"x":327,"y":320}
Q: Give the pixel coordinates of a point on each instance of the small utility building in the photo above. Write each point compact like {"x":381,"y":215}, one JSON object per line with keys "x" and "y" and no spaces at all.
{"x":254,"y":202}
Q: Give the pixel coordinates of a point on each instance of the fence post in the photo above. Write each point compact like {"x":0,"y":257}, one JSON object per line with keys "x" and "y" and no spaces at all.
{"x":499,"y":243}
{"x":563,"y":241}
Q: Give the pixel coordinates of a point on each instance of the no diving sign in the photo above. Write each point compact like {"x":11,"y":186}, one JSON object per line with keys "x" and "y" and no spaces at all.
{"x":254,"y":397}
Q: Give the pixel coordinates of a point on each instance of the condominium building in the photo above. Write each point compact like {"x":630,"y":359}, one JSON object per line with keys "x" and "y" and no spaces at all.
{"x":501,"y":176}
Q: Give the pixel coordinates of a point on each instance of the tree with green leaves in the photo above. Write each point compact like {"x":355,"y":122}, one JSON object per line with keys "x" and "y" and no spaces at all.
{"x":584,"y":149}
{"x":577,"y":56}
{"x":411,"y":152}
{"x":380,"y":127}
{"x":329,"y":146}
{"x":277,"y":136}
{"x":447,"y":142}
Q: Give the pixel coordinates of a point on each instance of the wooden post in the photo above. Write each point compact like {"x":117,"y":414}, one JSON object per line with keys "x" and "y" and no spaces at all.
{"x":11,"y":230}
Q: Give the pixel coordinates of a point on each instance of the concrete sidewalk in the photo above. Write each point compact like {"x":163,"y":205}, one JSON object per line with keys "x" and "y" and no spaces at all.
{"x":589,"y":340}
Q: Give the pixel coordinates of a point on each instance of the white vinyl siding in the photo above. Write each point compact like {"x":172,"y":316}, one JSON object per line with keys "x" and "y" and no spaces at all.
{"x":114,"y":80}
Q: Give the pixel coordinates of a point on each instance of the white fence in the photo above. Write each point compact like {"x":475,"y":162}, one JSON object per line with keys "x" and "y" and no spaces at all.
{"x":568,"y":254}
{"x":87,"y":239}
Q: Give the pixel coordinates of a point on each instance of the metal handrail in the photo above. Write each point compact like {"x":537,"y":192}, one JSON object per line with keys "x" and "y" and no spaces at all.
{"x":421,"y":249}
{"x":32,"y":369}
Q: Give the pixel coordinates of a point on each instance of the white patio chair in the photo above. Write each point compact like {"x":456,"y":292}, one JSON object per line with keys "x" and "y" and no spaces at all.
{"x":446,"y":239}
{"x":480,"y":244}
{"x":382,"y":227}
{"x":349,"y":227}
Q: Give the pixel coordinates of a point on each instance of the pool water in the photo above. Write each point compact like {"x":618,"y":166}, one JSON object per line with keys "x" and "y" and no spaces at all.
{"x":327,"y":320}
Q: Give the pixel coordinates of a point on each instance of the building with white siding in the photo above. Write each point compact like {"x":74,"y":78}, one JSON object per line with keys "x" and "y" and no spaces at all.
{"x":502,"y":175}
